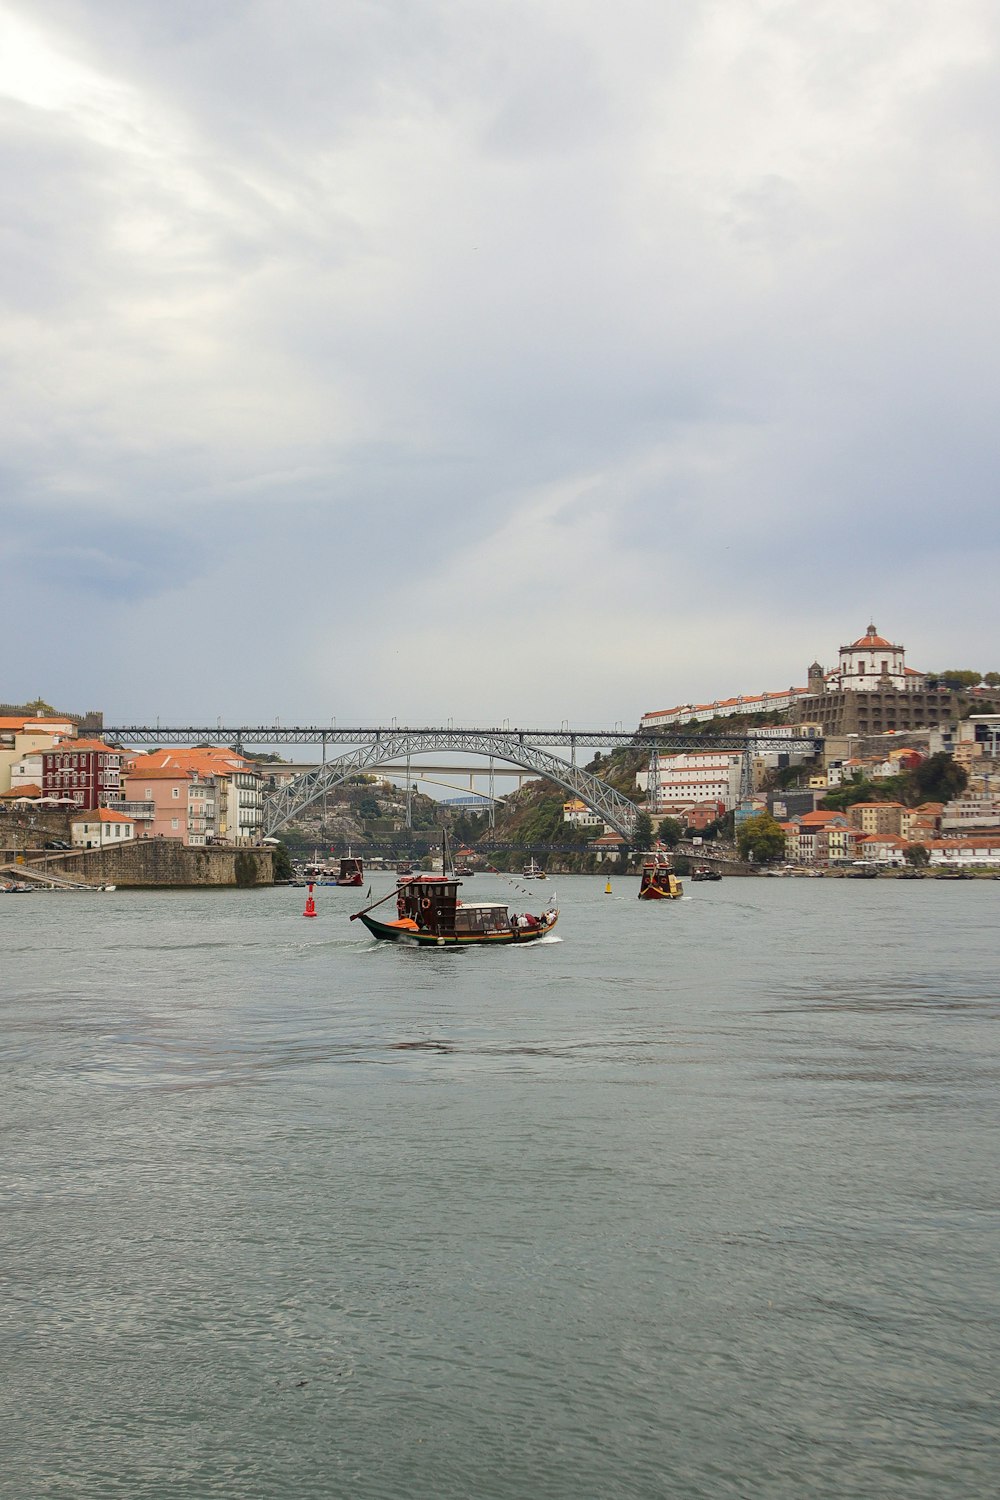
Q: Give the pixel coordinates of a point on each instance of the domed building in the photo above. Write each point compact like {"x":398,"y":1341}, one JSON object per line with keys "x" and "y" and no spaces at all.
{"x":872,"y":691}
{"x":870,"y":663}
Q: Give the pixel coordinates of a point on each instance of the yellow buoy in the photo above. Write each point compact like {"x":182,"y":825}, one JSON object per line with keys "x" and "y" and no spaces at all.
{"x":607,"y":889}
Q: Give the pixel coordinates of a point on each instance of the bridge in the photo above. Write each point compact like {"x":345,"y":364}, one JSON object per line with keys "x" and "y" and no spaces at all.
{"x":374,"y":747}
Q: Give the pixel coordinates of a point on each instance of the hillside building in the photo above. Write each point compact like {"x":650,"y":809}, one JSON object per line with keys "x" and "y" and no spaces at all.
{"x":870,"y":691}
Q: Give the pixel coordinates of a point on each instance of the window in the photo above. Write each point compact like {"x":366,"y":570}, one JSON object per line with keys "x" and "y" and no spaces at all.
{"x":175,"y":822}
{"x":175,"y":791}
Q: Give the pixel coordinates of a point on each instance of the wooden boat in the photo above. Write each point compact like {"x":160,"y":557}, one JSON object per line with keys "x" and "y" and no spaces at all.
{"x":533,"y":871}
{"x":659,"y":883}
{"x":430,"y":915}
{"x":352,"y":872}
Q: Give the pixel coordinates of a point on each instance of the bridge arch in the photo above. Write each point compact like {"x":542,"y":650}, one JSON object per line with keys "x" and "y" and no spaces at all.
{"x":286,"y":803}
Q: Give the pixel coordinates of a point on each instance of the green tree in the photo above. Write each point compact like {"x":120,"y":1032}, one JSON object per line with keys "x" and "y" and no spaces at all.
{"x":959,"y":677}
{"x":917,"y":856}
{"x":282,"y":863}
{"x":761,"y":839}
{"x":670,"y":832}
{"x":939,"y":778}
{"x":992,"y":679}
{"x":368,"y":808}
{"x":642,"y":838}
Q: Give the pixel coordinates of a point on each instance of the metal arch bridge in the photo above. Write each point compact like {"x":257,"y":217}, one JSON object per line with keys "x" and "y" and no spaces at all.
{"x":373,"y":747}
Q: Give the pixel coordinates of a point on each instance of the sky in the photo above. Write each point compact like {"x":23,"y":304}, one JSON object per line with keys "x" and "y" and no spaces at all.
{"x":524,"y":360}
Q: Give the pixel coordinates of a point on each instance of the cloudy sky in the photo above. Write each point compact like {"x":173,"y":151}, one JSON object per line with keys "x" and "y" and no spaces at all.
{"x":537,"y":360}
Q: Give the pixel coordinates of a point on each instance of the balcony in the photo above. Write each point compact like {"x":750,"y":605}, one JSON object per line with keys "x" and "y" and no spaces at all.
{"x":140,"y":811}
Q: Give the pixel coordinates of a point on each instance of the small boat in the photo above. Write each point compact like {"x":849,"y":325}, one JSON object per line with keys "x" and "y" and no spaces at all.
{"x":533,"y":871}
{"x":705,"y":872}
{"x":352,"y":872}
{"x":659,"y":883}
{"x":430,"y":915}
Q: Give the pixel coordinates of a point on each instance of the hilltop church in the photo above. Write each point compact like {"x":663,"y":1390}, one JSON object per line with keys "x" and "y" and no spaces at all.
{"x":872,"y":690}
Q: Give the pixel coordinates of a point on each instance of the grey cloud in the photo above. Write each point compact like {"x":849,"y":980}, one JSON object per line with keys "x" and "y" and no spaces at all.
{"x":322,"y":296}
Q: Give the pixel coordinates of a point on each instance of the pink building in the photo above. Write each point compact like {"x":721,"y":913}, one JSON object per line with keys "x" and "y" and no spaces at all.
{"x":171,"y":803}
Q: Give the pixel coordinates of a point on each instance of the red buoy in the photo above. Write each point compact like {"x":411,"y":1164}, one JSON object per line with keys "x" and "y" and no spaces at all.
{"x":310,"y":910}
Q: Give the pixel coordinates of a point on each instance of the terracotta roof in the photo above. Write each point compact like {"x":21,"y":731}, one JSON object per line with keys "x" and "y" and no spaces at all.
{"x":28,"y":790}
{"x":159,"y":773}
{"x":91,"y":745}
{"x":102,"y":815}
{"x":871,"y":641}
{"x":215,"y":760}
{"x":970,"y":841}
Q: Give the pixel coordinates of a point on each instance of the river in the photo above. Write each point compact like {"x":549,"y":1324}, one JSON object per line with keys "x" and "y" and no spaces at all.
{"x":699,"y":1199}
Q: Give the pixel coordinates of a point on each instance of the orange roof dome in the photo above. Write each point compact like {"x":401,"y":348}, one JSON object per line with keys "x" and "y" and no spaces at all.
{"x":872,"y":641}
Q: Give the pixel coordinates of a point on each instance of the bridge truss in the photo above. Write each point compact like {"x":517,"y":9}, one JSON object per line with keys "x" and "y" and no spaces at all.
{"x":374,"y":747}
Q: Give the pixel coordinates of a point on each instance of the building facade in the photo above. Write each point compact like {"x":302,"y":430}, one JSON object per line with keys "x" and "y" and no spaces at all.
{"x":680,"y":781}
{"x":99,"y":828}
{"x":88,"y":771}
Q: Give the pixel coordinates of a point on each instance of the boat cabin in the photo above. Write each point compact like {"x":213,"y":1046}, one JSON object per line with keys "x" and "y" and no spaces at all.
{"x":658,"y":883}
{"x":483,"y":917}
{"x":429,"y":902}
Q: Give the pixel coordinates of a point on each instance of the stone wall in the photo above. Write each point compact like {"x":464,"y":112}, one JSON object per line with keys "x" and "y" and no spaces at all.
{"x":24,"y":828}
{"x":166,"y":862}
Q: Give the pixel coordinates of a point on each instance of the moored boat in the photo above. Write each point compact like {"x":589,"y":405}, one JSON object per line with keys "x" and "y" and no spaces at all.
{"x":659,"y":883}
{"x":430,"y":915}
{"x":352,"y":872}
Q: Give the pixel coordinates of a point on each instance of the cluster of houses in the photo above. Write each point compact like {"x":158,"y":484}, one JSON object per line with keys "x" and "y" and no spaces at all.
{"x":881,"y":833}
{"x":869,"y":718}
{"x":198,"y":796}
{"x":697,"y":787}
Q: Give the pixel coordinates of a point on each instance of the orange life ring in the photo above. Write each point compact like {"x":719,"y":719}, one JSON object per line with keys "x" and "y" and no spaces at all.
{"x":425,"y":904}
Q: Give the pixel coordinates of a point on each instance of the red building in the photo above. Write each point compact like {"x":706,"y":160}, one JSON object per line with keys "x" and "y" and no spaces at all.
{"x":701,"y":814}
{"x":86,"y":770}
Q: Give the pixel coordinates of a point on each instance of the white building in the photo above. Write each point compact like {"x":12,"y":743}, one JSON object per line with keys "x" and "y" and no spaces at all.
{"x":872,"y":663}
{"x":581,"y":815}
{"x":100,"y":828}
{"x":723,"y":708}
{"x":964,"y":853}
{"x":694,"y":776}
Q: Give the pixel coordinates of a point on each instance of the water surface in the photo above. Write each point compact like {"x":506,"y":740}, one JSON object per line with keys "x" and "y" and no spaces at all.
{"x":700,"y":1200}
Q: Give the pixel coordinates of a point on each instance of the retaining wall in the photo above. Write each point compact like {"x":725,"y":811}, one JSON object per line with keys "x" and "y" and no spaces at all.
{"x":166,"y":862}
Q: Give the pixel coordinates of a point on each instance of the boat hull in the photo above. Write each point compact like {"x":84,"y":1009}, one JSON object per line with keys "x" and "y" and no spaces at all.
{"x":408,"y":933}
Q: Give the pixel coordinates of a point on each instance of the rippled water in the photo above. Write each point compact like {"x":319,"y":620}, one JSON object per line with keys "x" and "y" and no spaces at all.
{"x":700,"y":1200}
